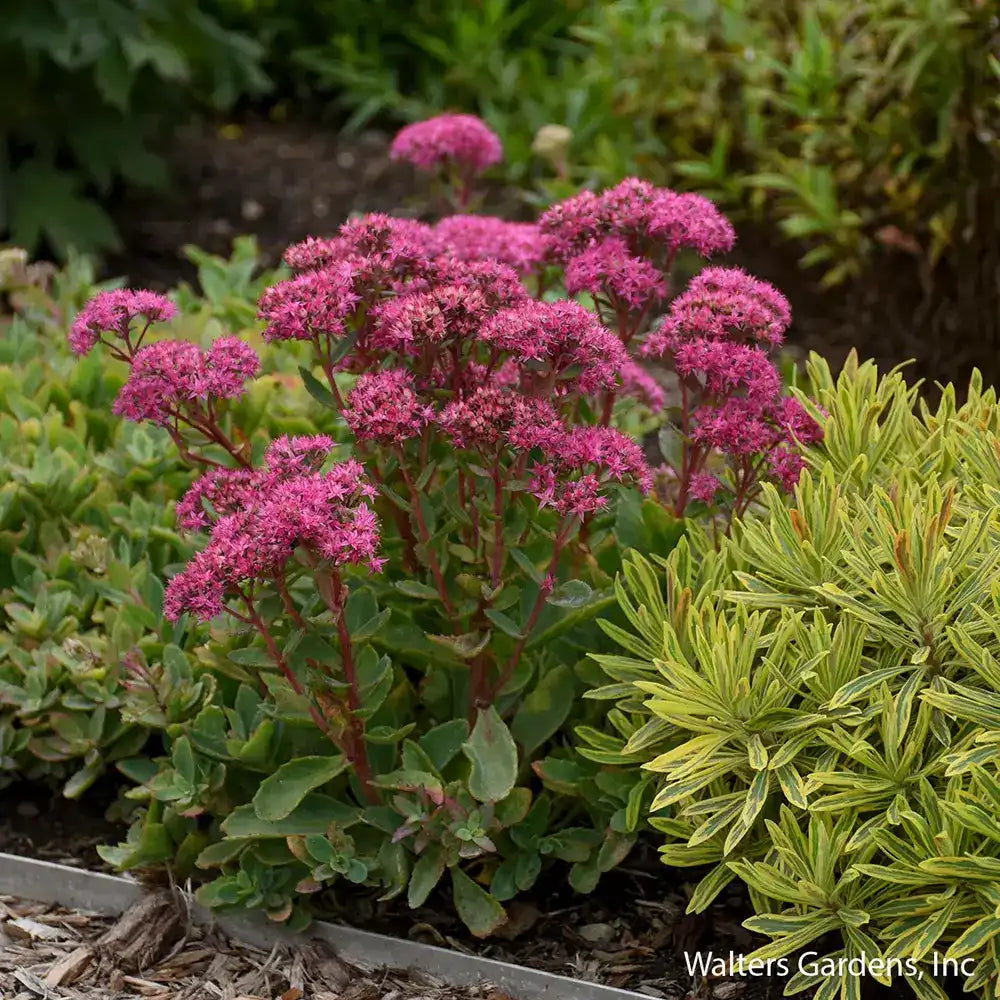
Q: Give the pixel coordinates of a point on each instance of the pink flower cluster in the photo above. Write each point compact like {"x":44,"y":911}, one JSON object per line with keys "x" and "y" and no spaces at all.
{"x":654,"y":222}
{"x":114,"y":312}
{"x":493,"y":418}
{"x":464,"y":140}
{"x":263,"y":515}
{"x":578,"y":465}
{"x":718,"y":335}
{"x":450,"y":305}
{"x":170,"y":375}
{"x":563,"y":345}
{"x":383,"y":407}
{"x":223,"y":491}
{"x":724,"y":304}
{"x":608,"y":268}
{"x":639,"y":384}
{"x":520,"y":245}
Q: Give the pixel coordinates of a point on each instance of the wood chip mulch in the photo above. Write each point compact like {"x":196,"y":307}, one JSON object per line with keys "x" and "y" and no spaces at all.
{"x":153,"y":951}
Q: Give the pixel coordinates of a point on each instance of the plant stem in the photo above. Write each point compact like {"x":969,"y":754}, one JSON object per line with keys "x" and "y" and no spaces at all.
{"x":544,"y":589}
{"x":272,"y":647}
{"x":357,"y":749}
{"x":425,"y":536}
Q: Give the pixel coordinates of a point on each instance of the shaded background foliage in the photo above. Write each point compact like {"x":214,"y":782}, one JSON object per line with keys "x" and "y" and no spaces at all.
{"x":856,"y":141}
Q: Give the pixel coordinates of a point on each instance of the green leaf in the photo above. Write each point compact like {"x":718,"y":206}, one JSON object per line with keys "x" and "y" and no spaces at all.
{"x":493,"y":754}
{"x":443,"y":742}
{"x":571,"y":594}
{"x":313,"y":814}
{"x":46,"y":203}
{"x":414,"y":588}
{"x":316,"y":389}
{"x":281,"y":792}
{"x":426,"y":874}
{"x":478,"y":910}
{"x":544,"y":710}
{"x":505,"y":623}
{"x":465,"y":647}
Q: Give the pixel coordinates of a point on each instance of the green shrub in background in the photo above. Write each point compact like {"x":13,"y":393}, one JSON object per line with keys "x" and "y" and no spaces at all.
{"x":88,"y":84}
{"x":850,"y":125}
{"x":853,"y":128}
{"x":818,"y":700}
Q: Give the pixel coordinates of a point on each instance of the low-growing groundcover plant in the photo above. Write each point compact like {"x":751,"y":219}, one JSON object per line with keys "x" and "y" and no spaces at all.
{"x":87,"y":528}
{"x":817,"y":701}
{"x":394,"y":613}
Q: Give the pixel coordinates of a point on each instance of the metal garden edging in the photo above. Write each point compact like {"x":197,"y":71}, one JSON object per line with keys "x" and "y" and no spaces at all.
{"x":61,"y":885}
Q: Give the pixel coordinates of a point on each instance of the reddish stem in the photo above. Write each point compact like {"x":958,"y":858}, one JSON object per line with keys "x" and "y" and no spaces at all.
{"x":425,"y":536}
{"x":357,"y":748}
{"x":286,"y":671}
{"x":544,"y":589}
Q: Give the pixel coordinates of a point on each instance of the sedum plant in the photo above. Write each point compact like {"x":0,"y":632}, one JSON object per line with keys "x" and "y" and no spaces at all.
{"x":816,"y":701}
{"x":395,"y":611}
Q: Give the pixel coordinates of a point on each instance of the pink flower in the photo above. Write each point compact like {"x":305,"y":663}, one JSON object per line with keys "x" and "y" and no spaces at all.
{"x":225,"y":490}
{"x":493,"y":416}
{"x":296,"y":455}
{"x":228,"y":365}
{"x":786,"y":465}
{"x":252,"y":542}
{"x":564,"y":340}
{"x":775,"y":428}
{"x":637,"y":382}
{"x":313,"y":253}
{"x":725,"y":303}
{"x":451,"y":305}
{"x":737,"y":427}
{"x":690,"y":220}
{"x":519,"y":245}
{"x":461,"y":139}
{"x":796,"y":422}
{"x":607,"y":268}
{"x":384,"y":407}
{"x":654,"y":222}
{"x":312,"y":304}
{"x":392,"y":246}
{"x":171,"y":374}
{"x":705,"y":487}
{"x":114,"y":312}
{"x":575,"y":471}
{"x":723,"y":369}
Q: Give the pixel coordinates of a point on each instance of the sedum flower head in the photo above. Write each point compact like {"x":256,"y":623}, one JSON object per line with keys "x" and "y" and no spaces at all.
{"x":168,"y":375}
{"x":577,"y":467}
{"x":495,"y":417}
{"x":114,"y":312}
{"x":725,"y":303}
{"x":264,"y":515}
{"x":562,"y":339}
{"x":384,"y":407}
{"x":654,"y":222}
{"x":519,"y":245}
{"x":639,"y":384}
{"x":608,"y":268}
{"x":464,"y":140}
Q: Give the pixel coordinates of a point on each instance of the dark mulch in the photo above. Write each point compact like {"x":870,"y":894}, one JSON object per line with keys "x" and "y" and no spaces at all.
{"x":36,"y":822}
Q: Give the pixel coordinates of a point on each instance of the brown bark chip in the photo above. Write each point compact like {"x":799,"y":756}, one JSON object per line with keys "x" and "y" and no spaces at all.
{"x":143,"y":934}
